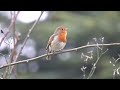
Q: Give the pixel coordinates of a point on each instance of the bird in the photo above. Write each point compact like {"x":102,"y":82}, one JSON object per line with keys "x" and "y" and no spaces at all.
{"x":57,"y":41}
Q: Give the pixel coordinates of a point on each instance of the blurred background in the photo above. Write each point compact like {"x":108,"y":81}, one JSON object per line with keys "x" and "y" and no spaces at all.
{"x":84,"y":27}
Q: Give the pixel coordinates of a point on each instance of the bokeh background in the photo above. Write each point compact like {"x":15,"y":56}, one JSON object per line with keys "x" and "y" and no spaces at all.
{"x":83,"y":27}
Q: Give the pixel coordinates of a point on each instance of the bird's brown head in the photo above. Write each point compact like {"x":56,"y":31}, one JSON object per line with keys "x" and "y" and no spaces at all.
{"x":60,"y":30}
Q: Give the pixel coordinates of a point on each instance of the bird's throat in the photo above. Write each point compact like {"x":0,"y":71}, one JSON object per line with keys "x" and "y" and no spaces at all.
{"x":62,"y":37}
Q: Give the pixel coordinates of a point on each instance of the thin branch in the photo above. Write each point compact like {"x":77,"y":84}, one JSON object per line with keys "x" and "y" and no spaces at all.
{"x":10,"y":26}
{"x":83,"y":70}
{"x":64,"y":51}
{"x":114,"y":66}
{"x":14,"y":31}
{"x":14,"y":44}
{"x":118,"y":70}
{"x":13,"y":20}
{"x":28,"y":35}
{"x":94,"y":65}
{"x":25,"y":40}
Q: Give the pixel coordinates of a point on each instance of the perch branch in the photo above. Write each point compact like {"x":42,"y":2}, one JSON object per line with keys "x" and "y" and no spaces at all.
{"x":64,"y":51}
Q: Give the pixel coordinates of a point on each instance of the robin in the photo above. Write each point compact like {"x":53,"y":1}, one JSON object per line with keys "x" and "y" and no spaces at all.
{"x":57,"y":41}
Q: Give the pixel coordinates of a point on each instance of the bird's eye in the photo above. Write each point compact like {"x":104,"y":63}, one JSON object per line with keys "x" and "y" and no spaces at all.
{"x":62,"y":28}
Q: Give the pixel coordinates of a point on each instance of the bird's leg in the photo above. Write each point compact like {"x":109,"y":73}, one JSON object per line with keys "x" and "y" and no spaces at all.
{"x":61,"y":51}
{"x":48,"y":51}
{"x":53,"y":52}
{"x":48,"y":57}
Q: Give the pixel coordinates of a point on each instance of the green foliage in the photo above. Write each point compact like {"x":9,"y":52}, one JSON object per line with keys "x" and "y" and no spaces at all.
{"x":83,"y":27}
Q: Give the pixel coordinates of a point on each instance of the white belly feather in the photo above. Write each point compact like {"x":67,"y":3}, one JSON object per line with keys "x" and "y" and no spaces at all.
{"x":56,"y":45}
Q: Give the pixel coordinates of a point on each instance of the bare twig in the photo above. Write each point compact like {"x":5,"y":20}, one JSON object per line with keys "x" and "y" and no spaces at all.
{"x":25,"y":40}
{"x":94,"y":65}
{"x":10,"y":26}
{"x":99,"y":55}
{"x":83,"y":70}
{"x":14,"y":31}
{"x":64,"y":51}
{"x":28,"y":35}
{"x":115,"y":69}
{"x":13,"y":19}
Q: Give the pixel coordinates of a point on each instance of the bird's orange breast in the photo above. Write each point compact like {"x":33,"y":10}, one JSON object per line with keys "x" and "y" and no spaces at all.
{"x":62,"y":37}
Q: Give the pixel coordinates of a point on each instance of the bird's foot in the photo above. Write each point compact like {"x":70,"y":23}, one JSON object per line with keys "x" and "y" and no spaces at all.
{"x":60,"y":51}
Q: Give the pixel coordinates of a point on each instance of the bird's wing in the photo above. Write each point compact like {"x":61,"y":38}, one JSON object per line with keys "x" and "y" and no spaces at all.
{"x":50,"y":40}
